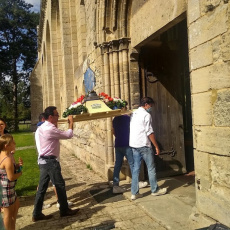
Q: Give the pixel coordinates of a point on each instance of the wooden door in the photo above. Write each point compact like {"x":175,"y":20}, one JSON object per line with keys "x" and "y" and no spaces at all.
{"x":163,"y":71}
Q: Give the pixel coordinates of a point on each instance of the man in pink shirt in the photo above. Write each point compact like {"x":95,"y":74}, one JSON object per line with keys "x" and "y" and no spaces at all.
{"x":47,"y":138}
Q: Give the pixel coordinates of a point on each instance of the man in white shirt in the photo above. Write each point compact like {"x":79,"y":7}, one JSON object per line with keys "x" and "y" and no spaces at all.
{"x":141,"y":137}
{"x":47,"y":138}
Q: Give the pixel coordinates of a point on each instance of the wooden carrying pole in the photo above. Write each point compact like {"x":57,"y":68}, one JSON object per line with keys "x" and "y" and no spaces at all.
{"x":97,"y":109}
{"x":99,"y":115}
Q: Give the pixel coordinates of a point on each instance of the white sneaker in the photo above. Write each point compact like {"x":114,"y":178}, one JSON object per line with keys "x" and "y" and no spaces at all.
{"x":118,"y":189}
{"x":143,"y":184}
{"x":45,"y":206}
{"x":69,"y":204}
{"x":138,"y":195}
{"x":160,"y":192}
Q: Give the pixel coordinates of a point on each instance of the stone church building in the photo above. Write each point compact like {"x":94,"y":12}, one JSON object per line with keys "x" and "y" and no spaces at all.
{"x":175,"y":51}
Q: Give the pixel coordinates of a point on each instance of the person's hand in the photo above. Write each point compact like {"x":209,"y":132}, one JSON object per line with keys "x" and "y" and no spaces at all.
{"x":157,"y":151}
{"x":70,"y":119}
{"x":20,"y":161}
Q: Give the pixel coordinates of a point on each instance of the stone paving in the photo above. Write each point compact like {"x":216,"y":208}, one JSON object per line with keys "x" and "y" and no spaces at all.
{"x":81,"y":183}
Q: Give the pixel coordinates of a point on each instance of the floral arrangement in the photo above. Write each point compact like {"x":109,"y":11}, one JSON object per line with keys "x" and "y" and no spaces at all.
{"x":76,"y":108}
{"x":113,"y":102}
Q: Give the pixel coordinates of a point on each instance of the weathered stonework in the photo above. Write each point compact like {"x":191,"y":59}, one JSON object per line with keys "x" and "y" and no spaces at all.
{"x":155,"y":15}
{"x":209,"y":26}
{"x":222,"y":109}
{"x":202,"y":113}
{"x":210,"y":92}
{"x":201,"y":56}
{"x":107,"y":36}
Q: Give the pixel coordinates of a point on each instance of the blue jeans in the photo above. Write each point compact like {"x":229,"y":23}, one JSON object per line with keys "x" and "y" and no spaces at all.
{"x":122,"y":152}
{"x":145,"y":153}
{"x":50,"y":171}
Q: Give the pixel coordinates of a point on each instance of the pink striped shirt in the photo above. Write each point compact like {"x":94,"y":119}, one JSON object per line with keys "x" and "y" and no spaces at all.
{"x":47,"y":138}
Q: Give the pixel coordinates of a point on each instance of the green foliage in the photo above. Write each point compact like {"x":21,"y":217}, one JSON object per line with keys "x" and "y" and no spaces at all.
{"x":75,"y":111}
{"x":23,"y":112}
{"x":6,"y":102}
{"x":18,"y":39}
{"x":18,"y":54}
{"x":116,"y":104}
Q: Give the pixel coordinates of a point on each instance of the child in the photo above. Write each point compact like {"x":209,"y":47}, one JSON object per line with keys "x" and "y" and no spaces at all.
{"x":8,"y":178}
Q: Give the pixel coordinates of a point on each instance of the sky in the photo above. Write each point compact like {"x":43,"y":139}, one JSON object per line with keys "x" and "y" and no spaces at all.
{"x":35,"y":3}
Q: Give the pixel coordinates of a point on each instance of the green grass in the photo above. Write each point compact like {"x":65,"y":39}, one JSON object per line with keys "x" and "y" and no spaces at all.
{"x":27,"y":183}
{"x":24,"y":139}
{"x":24,"y":127}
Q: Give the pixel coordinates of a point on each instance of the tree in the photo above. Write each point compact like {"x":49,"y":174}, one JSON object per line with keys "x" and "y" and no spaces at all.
{"x":18,"y":53}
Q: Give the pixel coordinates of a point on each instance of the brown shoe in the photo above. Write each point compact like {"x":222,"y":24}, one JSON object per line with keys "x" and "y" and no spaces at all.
{"x":41,"y":217}
{"x":70,"y":212}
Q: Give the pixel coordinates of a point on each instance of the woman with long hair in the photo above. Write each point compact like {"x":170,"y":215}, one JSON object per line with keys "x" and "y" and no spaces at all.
{"x":9,"y":173}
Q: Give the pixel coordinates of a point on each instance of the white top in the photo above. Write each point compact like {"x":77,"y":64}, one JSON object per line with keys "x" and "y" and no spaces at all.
{"x":140,"y":128}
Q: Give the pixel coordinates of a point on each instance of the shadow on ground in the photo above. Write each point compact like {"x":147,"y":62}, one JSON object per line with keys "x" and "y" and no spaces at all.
{"x":105,"y":195}
{"x":99,"y":193}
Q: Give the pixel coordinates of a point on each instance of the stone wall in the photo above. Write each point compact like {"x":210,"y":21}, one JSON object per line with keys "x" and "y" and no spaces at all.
{"x":208,"y":29}
{"x":36,"y":95}
{"x":74,"y":36}
{"x":77,"y":34}
{"x":156,"y":16}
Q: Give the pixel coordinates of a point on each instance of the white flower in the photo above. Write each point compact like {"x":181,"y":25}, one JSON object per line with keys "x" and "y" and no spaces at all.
{"x":74,"y":105}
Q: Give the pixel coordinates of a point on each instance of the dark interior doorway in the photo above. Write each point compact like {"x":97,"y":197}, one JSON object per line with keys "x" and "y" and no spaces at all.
{"x":164,"y":70}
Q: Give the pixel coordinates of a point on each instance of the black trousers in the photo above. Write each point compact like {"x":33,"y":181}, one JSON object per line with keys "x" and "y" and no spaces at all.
{"x":50,"y":171}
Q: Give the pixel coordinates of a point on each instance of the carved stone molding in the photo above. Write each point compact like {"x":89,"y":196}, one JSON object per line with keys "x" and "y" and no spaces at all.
{"x":124,"y":43}
{"x":134,"y":55}
{"x":104,"y":47}
{"x":114,"y":45}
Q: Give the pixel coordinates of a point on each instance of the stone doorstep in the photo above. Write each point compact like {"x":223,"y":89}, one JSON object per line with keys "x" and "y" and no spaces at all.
{"x":171,"y":210}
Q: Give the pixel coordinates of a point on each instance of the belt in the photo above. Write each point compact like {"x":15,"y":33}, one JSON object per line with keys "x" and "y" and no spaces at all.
{"x":48,"y":157}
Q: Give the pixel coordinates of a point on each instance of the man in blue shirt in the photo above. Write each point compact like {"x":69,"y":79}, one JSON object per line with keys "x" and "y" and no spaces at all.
{"x":122,"y":149}
{"x":41,"y":119}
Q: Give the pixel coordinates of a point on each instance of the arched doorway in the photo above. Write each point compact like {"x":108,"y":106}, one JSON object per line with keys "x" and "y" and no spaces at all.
{"x":164,"y":69}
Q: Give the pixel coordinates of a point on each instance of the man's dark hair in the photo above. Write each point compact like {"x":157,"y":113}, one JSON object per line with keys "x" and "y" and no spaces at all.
{"x":42,"y":115}
{"x":147,"y":100}
{"x":49,"y":111}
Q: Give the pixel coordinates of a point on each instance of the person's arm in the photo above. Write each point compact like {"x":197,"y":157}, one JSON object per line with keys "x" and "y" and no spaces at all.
{"x":70,"y":121}
{"x":20,"y":161}
{"x":113,"y":131}
{"x":114,"y":124}
{"x":150,"y":133}
{"x":153,"y":140}
{"x":9,"y":166}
